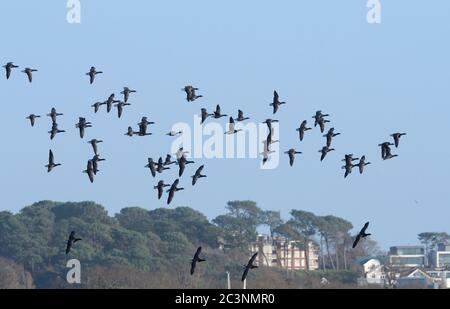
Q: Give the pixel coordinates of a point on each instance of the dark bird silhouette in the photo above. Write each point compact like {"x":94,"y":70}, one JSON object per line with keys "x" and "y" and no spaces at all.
{"x":126,"y":93}
{"x":55,"y":130}
{"x":361,"y":234}
{"x":92,"y":73}
{"x":94,"y":143}
{"x":266,"y":152}
{"x":160,"y":187}
{"x":109,"y":103}
{"x":324,"y":152}
{"x":196,"y":259}
{"x":318,"y":116}
{"x":388,"y":155}
{"x":53,"y":114}
{"x":90,"y":170}
{"x":51,"y":162}
{"x":385,"y":148}
{"x":180,"y":153}
{"x":120,"y":107}
{"x":321,"y":123}
{"x":349,"y":159}
{"x":8,"y":67}
{"x":217,"y":113}
{"x":97,"y":105}
{"x":168,"y":160}
{"x":348,"y":169}
{"x":71,"y":241}
{"x":249,"y":266}
{"x":303,"y":128}
{"x":160,"y":167}
{"x":191,"y":96}
{"x":182,"y":162}
{"x":291,"y":152}
{"x":330,"y":135}
{"x":143,"y":125}
{"x":276,"y":102}
{"x":32,"y":118}
{"x":152,"y":166}
{"x":231,"y":127}
{"x":204,"y":115}
{"x":173,"y":188}
{"x":95,"y":161}
{"x":362,"y":163}
{"x":198,"y":175}
{"x":240,"y":116}
{"x":396,"y":137}
{"x":82,"y":125}
{"x":130,"y":132}
{"x":269,"y":123}
{"x":29,"y":73}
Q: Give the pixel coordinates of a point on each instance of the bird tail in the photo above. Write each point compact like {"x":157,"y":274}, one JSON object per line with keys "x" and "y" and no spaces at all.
{"x":201,"y":260}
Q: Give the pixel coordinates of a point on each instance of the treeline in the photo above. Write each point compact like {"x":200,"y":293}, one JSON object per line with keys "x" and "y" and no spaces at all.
{"x":153,"y":249}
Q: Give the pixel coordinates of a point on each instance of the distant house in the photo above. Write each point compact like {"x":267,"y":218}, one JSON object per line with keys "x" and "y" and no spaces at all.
{"x":440,"y":258}
{"x":372,"y":270}
{"x":407,"y":256}
{"x":283,"y":253}
{"x":440,"y":277}
{"x":416,"y":278}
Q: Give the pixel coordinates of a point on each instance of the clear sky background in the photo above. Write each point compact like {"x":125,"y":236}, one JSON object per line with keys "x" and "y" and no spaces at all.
{"x":373,"y":79}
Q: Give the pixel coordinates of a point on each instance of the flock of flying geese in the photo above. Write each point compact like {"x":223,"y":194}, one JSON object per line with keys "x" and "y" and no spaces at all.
{"x":181,"y":160}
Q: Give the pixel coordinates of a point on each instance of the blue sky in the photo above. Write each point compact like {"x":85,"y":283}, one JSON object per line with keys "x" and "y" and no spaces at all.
{"x":373,"y":79}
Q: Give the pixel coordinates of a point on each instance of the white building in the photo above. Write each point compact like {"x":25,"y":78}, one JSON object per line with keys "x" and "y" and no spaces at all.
{"x":373,"y":271}
{"x":283,"y":253}
{"x":441,"y":257}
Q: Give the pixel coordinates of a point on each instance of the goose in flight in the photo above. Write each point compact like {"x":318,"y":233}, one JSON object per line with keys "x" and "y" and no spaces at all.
{"x":197,"y":175}
{"x":126,"y":93}
{"x":330,"y":135}
{"x":362,"y":163}
{"x":92,"y":73}
{"x":204,"y":114}
{"x":90,"y":171}
{"x":152,"y":166}
{"x":51,"y":162}
{"x":191,"y":96}
{"x":71,"y":241}
{"x":181,"y":153}
{"x":388,"y":155}
{"x":318,"y":116}
{"x":321,"y":123}
{"x":95,"y":161}
{"x":384,"y":148}
{"x":291,"y":152}
{"x":130,"y":132}
{"x":8,"y":67}
{"x":168,"y":160}
{"x":97,"y":105}
{"x":266,"y":152}
{"x":182,"y":162}
{"x":160,"y":187}
{"x":196,"y":259}
{"x":240,"y":116}
{"x":143,"y":126}
{"x":32,"y":118}
{"x":109,"y":103}
{"x":29,"y":73}
{"x":94,"y":143}
{"x":249,"y":266}
{"x":53,"y":114}
{"x":269,"y":123}
{"x":361,"y":234}
{"x":173,"y":188}
{"x":82,"y":124}
{"x":231,"y":127}
{"x":303,"y":128}
{"x":120,"y":107}
{"x":160,"y":167}
{"x":55,"y":130}
{"x":349,"y":159}
{"x":217,"y":113}
{"x":276,"y":102}
{"x":324,"y":152}
{"x":396,"y":137}
{"x":348,"y":169}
